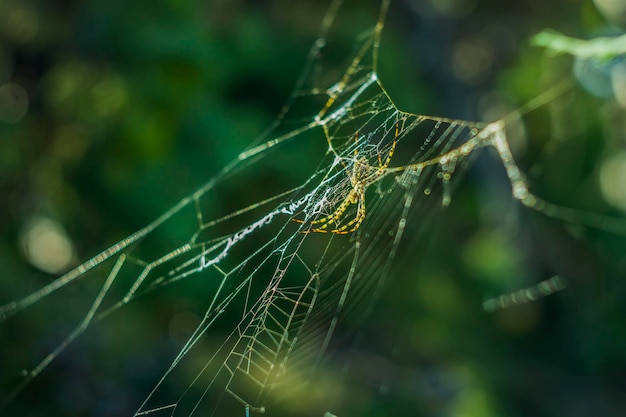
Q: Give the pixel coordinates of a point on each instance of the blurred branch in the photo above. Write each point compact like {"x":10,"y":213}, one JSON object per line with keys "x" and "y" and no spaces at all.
{"x":601,"y":48}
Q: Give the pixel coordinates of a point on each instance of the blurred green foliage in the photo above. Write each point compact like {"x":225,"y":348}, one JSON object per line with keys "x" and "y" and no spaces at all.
{"x":132,"y":105}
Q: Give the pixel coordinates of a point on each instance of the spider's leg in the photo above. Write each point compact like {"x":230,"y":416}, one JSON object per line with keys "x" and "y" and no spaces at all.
{"x":355,"y":196}
{"x":333,"y":218}
{"x":326,"y":220}
{"x":323,"y":227}
{"x":355,"y":223}
{"x":390,"y":155}
{"x":382,"y":167}
{"x":338,"y":212}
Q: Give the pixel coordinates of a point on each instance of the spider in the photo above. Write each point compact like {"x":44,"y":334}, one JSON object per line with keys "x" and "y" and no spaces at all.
{"x":361,"y":176}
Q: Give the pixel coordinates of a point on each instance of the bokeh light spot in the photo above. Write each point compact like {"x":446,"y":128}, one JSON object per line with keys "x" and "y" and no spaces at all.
{"x":70,"y":142}
{"x":472,"y":60}
{"x":109,"y":94}
{"x":46,"y":245}
{"x":21,"y":24}
{"x":491,"y":257}
{"x":63,"y":81}
{"x":612,"y":180}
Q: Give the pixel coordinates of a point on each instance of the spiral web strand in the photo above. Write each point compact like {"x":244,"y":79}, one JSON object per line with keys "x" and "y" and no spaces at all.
{"x":280,"y":282}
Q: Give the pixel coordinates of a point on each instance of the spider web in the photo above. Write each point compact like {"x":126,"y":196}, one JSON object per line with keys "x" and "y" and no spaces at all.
{"x":277,"y":280}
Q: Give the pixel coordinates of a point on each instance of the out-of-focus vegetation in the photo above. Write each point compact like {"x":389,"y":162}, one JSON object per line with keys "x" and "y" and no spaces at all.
{"x":600,"y":48}
{"x":112,"y":111}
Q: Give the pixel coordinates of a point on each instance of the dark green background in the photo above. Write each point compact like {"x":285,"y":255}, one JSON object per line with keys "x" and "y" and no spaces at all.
{"x":134,"y":104}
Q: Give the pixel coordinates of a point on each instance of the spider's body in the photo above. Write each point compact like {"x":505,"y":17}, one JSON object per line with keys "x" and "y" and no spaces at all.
{"x":361,"y":176}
